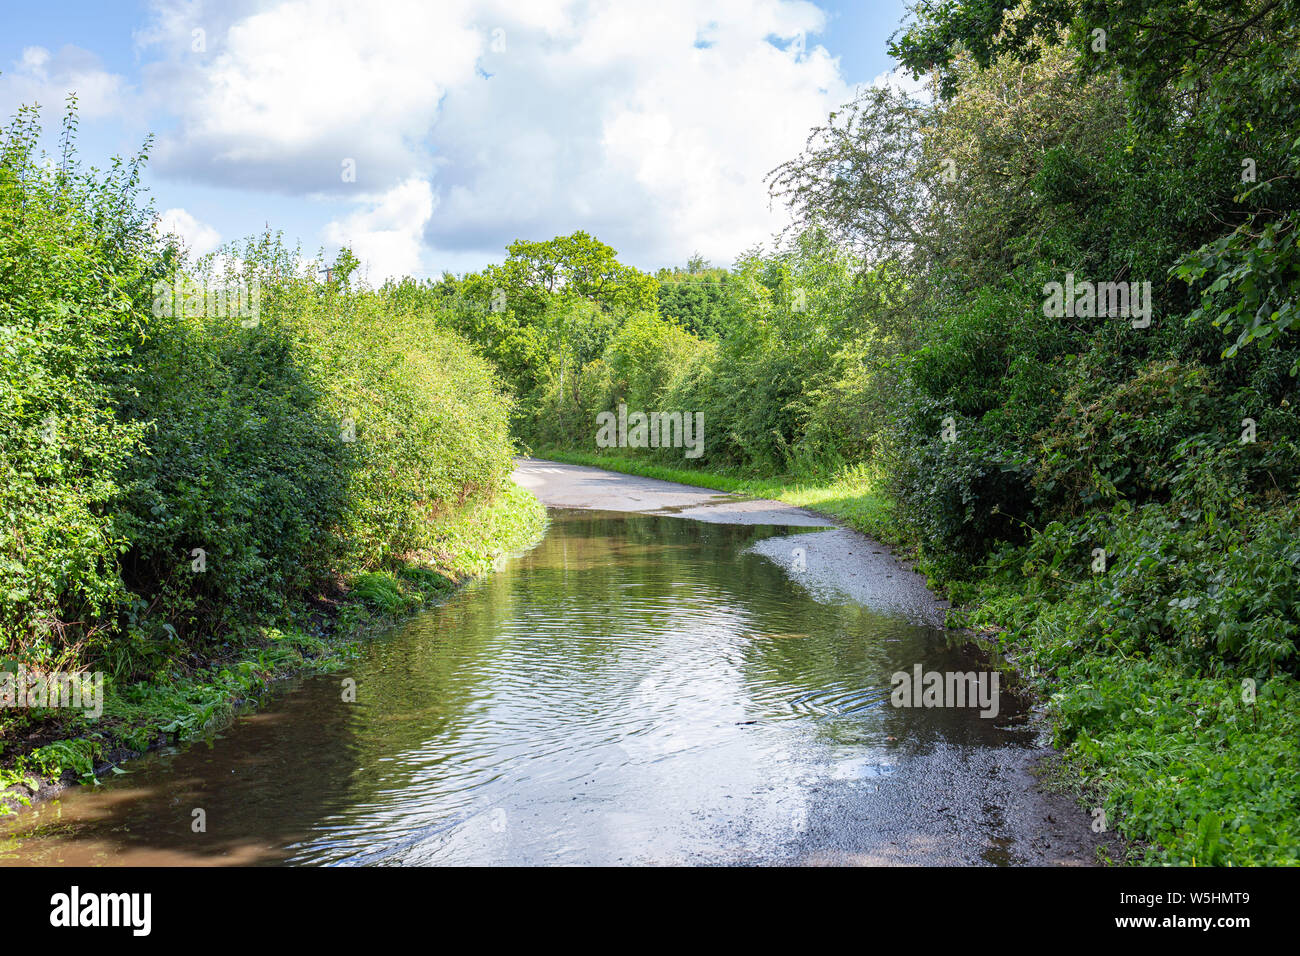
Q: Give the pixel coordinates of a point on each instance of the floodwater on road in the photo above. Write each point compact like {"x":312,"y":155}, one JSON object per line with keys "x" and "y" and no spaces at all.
{"x":637,"y":689}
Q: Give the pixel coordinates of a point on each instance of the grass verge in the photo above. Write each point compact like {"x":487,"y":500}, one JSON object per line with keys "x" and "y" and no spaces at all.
{"x":851,"y":496}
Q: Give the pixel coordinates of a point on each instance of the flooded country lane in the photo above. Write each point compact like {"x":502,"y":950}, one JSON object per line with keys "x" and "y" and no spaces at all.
{"x":640,"y":688}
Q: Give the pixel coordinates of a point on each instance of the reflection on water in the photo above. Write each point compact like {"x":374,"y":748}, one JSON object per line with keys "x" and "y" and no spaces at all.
{"x":636,"y":689}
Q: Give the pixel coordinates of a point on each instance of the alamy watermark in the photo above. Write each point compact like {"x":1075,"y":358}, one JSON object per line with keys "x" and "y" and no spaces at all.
{"x":20,"y":687}
{"x":74,"y":908}
{"x":192,"y":299}
{"x":653,"y":430}
{"x":946,"y":689}
{"x":1129,"y":300}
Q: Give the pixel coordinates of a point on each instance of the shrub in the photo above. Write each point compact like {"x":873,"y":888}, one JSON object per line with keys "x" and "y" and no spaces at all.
{"x":167,"y":477}
{"x":75,"y":255}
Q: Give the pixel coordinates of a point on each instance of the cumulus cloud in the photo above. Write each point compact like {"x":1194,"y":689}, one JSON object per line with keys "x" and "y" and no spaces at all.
{"x":199,"y":237}
{"x":652,"y":129}
{"x":281,"y":98}
{"x":45,"y":77}
{"x":386,"y":234}
{"x":650,"y":125}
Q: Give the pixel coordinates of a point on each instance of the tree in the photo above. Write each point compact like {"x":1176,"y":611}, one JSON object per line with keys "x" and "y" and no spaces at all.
{"x":1227,"y":71}
{"x":860,"y":177}
{"x":574,"y":266}
{"x":697,"y":299}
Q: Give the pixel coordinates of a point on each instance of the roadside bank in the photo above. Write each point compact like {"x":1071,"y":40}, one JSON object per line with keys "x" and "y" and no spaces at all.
{"x":64,"y":748}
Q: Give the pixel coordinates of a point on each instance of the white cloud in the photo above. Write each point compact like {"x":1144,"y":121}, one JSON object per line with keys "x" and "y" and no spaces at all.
{"x":199,"y":237}
{"x":39,"y":76}
{"x":386,"y":236}
{"x":278,"y":99}
{"x":621,"y":124}
{"x":650,"y":125}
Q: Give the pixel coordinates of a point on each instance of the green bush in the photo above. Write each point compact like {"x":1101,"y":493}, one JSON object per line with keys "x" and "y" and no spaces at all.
{"x":243,"y":461}
{"x":76,"y":259}
{"x":431,"y":418}
{"x":171,"y":473}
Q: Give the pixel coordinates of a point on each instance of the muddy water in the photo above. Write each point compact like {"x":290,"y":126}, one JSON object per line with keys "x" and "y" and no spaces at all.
{"x":634,"y":690}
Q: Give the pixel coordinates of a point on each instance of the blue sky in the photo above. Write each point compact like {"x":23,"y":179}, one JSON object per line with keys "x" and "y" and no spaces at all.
{"x":467,"y":124}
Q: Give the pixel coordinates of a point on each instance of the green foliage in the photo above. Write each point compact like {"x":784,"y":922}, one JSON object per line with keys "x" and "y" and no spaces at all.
{"x":243,"y":460}
{"x":576,"y":266}
{"x":431,"y":420}
{"x":76,"y":255}
{"x":381,"y":590}
{"x":1145,"y":664}
{"x":696,"y":300}
{"x":176,"y":469}
{"x":1159,"y":47}
{"x":643,"y":356}
{"x":787,"y":379}
{"x":1260,"y":272}
{"x":62,"y":756}
{"x":783,"y":391}
{"x":1085,"y":437}
{"x":863,"y":177}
